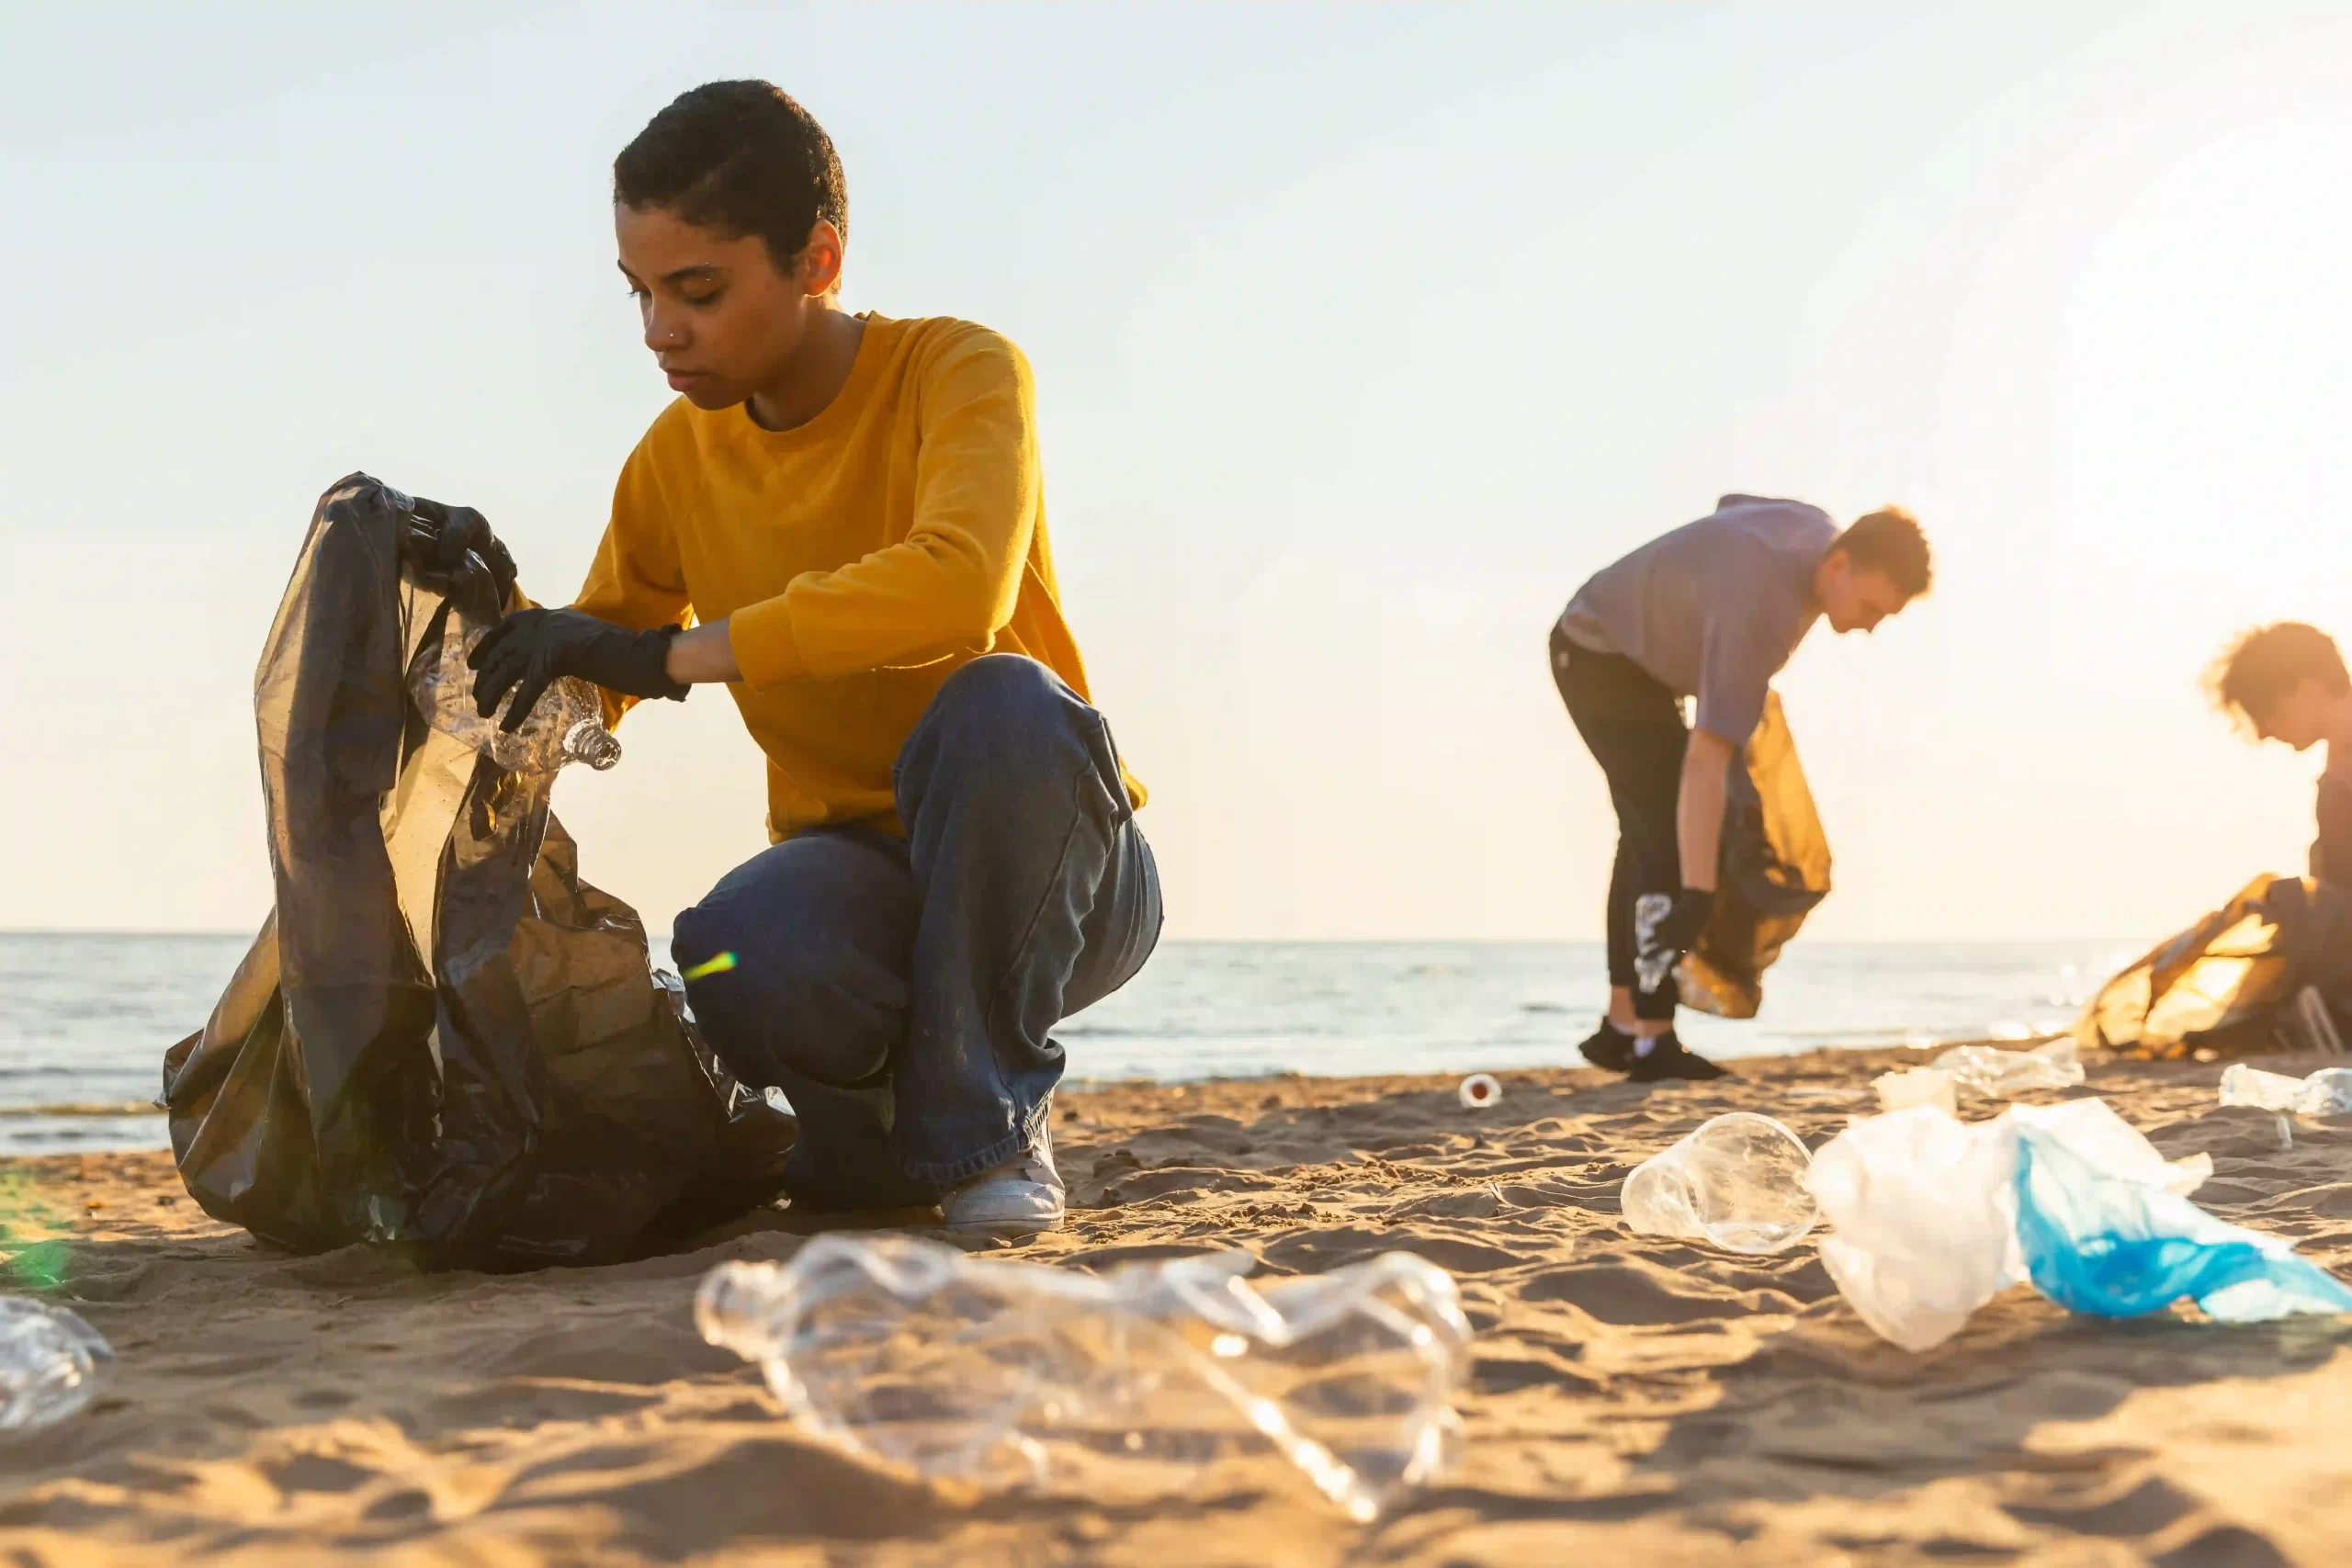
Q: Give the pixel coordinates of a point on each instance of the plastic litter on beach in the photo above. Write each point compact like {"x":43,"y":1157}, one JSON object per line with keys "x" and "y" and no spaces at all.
{"x":1987,"y":1070}
{"x":1478,"y":1091}
{"x":1736,"y":1182}
{"x":51,"y":1363}
{"x":1918,"y":1086}
{"x":1932,"y":1217}
{"x":2327,"y":1093}
{"x":2097,"y":1241}
{"x":1120,"y":1385}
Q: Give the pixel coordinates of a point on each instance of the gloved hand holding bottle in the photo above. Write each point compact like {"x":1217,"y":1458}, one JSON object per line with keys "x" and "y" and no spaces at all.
{"x":531,"y":649}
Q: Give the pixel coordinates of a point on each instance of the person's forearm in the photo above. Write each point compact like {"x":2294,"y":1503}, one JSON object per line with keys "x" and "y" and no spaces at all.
{"x":702,"y":654}
{"x":1699,"y":810}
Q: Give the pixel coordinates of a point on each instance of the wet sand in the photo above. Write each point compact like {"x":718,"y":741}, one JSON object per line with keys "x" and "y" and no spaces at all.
{"x":1632,"y":1401}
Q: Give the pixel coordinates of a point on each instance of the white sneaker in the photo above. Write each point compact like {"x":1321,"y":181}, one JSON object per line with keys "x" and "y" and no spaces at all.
{"x":1022,"y":1197}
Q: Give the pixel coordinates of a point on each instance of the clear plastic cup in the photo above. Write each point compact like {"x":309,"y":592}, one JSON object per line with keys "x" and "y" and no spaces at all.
{"x":1736,"y":1182}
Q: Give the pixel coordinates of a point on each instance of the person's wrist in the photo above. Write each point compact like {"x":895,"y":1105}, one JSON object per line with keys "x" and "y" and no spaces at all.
{"x":656,"y":653}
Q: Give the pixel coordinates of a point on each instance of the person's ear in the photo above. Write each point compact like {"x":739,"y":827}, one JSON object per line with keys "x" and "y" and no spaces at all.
{"x":820,"y":259}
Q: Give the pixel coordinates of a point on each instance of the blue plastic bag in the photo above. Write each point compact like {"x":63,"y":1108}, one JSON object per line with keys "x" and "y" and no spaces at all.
{"x":2109,"y":1245}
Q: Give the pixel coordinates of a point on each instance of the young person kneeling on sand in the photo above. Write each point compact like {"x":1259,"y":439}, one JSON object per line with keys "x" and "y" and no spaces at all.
{"x":850,"y":510}
{"x":1711,"y":611}
{"x":2287,"y":682}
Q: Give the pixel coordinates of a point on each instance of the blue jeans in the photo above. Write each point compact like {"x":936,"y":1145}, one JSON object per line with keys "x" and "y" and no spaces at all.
{"x":900,"y":991}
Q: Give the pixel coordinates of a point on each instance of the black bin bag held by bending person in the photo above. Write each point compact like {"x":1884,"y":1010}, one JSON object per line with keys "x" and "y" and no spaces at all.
{"x":443,"y":1040}
{"x":1774,"y":871}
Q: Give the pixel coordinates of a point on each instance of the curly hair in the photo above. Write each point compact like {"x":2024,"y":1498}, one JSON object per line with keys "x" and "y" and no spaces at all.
{"x":2265,"y":663}
{"x":740,"y":157}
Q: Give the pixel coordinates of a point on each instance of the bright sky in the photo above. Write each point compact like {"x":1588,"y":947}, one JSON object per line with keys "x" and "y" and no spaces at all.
{"x":1363,"y":334}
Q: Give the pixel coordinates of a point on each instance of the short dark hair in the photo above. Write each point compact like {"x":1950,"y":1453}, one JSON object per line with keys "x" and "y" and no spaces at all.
{"x":1889,"y":542}
{"x":2266,"y":663}
{"x":740,"y":157}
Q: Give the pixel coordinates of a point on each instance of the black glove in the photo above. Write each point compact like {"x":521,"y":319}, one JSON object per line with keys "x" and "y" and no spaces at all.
{"x":451,"y":549}
{"x":530,"y":649}
{"x":1679,"y":930}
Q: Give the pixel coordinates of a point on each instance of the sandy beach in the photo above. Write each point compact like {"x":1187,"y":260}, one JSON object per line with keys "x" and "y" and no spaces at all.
{"x":1632,"y":1401}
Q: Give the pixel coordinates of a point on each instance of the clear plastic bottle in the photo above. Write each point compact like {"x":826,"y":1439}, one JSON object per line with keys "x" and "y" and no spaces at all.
{"x":567,"y":723}
{"x":1118,"y":1386}
{"x":51,"y":1363}
{"x":1736,"y":1182}
{"x":1988,"y":1070}
{"x":2327,"y":1093}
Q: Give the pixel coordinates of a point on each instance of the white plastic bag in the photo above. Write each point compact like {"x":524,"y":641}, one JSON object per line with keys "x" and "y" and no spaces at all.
{"x":1922,"y":1220}
{"x":1923,"y":1208}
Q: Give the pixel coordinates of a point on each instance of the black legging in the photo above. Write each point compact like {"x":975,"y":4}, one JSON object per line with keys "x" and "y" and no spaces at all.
{"x":1633,"y":726}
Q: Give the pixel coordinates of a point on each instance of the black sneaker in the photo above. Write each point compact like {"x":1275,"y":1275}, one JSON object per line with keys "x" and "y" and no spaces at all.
{"x":1609,"y":1047}
{"x":1668,"y":1059}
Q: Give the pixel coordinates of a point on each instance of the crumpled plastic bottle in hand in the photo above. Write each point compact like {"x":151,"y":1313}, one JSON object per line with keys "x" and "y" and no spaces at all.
{"x":51,"y":1363}
{"x":1985,"y":1069}
{"x":566,"y":725}
{"x":1119,"y":1385}
{"x":1736,"y":1182}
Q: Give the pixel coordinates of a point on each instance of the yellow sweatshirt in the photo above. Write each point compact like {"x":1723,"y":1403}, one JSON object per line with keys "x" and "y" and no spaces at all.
{"x":859,"y":559}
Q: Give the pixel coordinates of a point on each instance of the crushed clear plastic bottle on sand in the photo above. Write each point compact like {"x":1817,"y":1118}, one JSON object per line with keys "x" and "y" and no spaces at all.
{"x":1736,"y":1182}
{"x":567,"y":723}
{"x":2327,"y":1093}
{"x":1985,"y":1069}
{"x":51,"y":1363}
{"x":1125,"y":1384}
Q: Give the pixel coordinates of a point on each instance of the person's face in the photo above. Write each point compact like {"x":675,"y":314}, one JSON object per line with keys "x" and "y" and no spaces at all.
{"x":2298,"y":720}
{"x":1855,"y":601}
{"x":723,"y":320}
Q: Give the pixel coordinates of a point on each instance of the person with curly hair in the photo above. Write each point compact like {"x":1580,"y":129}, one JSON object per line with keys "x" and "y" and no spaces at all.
{"x":2287,"y":682}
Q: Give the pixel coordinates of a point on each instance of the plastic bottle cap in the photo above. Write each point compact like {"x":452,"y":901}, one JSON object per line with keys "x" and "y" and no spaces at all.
{"x":1479,"y":1090}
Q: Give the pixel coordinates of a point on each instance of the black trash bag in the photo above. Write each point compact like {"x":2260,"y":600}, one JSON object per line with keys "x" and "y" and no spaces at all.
{"x":1774,"y":872}
{"x":2271,"y":970}
{"x":442,"y":1042}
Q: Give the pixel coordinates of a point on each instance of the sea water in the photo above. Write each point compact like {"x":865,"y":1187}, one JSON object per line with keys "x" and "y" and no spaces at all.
{"x":85,"y":1018}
